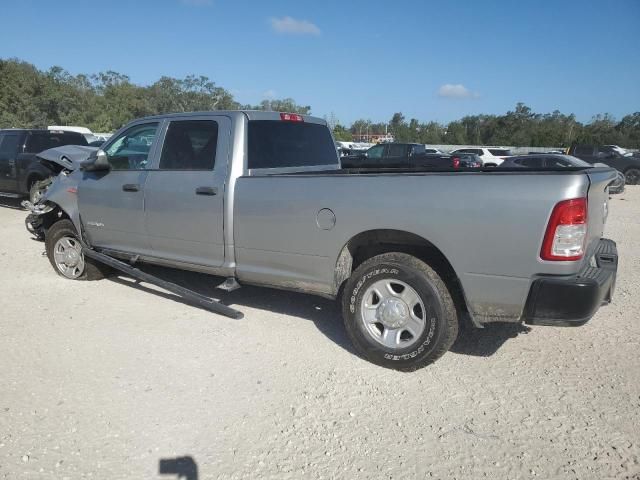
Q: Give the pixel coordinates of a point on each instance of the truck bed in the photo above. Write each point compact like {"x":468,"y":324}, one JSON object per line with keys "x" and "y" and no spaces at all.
{"x":489,"y":224}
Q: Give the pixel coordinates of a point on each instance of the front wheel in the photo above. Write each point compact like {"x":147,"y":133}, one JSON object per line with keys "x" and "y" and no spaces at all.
{"x":632,"y":176}
{"x":64,"y":251}
{"x":398,"y":312}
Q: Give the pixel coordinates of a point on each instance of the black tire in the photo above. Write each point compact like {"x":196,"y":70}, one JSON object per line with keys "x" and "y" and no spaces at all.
{"x":65,"y":228}
{"x":38,"y":188}
{"x":632,"y":176}
{"x":441,"y":321}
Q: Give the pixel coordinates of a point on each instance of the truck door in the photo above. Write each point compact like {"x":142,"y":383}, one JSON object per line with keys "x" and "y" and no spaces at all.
{"x":111,"y":203}
{"x":397,"y":155}
{"x":10,"y":143}
{"x":586,"y":153}
{"x":184,"y":192}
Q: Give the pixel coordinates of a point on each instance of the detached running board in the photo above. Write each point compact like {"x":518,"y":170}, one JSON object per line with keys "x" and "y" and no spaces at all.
{"x":190,"y":295}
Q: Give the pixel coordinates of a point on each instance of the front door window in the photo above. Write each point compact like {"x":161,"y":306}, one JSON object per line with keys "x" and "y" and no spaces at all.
{"x":130,"y":151}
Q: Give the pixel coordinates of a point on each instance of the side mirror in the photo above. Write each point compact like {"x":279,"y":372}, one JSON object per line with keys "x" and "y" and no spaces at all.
{"x":97,"y":161}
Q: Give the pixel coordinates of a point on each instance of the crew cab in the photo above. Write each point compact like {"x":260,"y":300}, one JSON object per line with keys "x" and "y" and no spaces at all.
{"x":610,"y":155}
{"x":407,"y":155}
{"x":20,"y":170}
{"x":260,"y":198}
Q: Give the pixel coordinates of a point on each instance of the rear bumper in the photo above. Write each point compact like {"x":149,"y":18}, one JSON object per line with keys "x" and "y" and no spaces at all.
{"x":572,"y":301}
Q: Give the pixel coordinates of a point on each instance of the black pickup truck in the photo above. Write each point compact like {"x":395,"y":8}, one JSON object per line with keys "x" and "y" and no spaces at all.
{"x":407,"y":155}
{"x":626,"y":163}
{"x":20,"y":170}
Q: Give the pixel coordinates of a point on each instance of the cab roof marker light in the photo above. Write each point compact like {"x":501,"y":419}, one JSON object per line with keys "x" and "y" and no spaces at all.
{"x":291,"y":117}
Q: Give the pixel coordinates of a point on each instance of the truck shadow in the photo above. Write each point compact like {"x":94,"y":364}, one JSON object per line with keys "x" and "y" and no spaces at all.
{"x":13,"y":203}
{"x":484,"y":342}
{"x":324,"y":313}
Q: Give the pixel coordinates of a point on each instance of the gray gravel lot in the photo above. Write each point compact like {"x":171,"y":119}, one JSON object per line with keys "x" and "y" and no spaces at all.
{"x":105,"y":379}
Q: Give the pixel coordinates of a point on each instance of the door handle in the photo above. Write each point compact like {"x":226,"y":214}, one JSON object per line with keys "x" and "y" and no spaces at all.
{"x":206,"y":191}
{"x":130,"y":187}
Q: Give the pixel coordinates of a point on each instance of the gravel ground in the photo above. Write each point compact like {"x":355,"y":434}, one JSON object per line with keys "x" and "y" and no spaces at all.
{"x":108,"y":379}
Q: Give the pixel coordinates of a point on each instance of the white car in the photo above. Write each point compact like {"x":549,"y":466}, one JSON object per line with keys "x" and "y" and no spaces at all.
{"x":428,"y":149}
{"x":491,"y":156}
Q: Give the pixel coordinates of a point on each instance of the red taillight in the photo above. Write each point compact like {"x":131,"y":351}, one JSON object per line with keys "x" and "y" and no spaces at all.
{"x":456,"y":162}
{"x":291,"y":117}
{"x":566,"y":231}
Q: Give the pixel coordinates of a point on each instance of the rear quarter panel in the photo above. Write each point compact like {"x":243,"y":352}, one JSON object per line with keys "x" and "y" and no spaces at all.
{"x":488,"y":225}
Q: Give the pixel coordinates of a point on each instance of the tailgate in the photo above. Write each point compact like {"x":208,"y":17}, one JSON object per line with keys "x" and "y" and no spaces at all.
{"x":598,"y":204}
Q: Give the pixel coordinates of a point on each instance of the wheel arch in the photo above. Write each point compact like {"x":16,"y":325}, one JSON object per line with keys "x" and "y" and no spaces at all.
{"x":370,"y":243}
{"x":54,"y":215}
{"x":32,"y":177}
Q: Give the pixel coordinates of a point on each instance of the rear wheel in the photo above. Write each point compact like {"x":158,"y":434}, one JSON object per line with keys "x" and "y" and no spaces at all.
{"x":632,"y":176}
{"x":398,"y":312}
{"x":64,"y":251}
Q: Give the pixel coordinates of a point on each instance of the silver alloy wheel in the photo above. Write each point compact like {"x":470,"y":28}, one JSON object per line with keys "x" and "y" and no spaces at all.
{"x":393,"y":313}
{"x":67,"y":253}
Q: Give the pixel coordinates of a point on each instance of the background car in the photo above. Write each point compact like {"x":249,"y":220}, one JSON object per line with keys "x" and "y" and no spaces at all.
{"x":408,"y":155}
{"x":428,"y":149}
{"x":491,"y":156}
{"x":546,"y":161}
{"x":629,"y":165}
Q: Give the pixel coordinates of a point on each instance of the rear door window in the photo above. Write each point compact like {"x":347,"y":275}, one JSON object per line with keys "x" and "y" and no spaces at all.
{"x":584,"y":150}
{"x":397,"y":150}
{"x":190,"y":145}
{"x":9,"y":146}
{"x":282,"y":144}
{"x":40,"y":141}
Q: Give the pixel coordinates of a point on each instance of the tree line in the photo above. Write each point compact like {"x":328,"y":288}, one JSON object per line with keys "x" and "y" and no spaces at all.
{"x":103,"y":102}
{"x":31,"y":98}
{"x":520,"y":127}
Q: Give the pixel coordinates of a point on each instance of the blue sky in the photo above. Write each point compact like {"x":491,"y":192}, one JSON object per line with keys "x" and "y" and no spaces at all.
{"x":358,"y":59}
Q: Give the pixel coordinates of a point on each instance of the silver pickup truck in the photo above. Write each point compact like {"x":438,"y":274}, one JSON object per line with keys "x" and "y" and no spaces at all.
{"x":260,"y":198}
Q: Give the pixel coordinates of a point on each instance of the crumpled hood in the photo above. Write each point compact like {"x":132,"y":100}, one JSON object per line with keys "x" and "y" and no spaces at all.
{"x":69,"y":156}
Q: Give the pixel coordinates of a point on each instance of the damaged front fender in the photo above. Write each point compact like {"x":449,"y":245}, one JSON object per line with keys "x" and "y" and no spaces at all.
{"x":59,"y":201}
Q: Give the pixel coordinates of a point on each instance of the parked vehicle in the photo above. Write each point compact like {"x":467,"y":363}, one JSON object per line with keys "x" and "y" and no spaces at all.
{"x":470,"y":160}
{"x":428,"y":149}
{"x":407,"y":155}
{"x":260,"y":198}
{"x":88,"y":134}
{"x":351,"y":148}
{"x":20,"y":170}
{"x":547,"y":161}
{"x":622,"y":151}
{"x":491,"y":157}
{"x":629,"y":165}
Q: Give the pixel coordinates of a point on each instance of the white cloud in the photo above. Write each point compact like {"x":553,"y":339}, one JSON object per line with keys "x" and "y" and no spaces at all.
{"x":292,"y":26}
{"x":449,"y":90}
{"x":197,"y":3}
{"x":269,"y":94}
